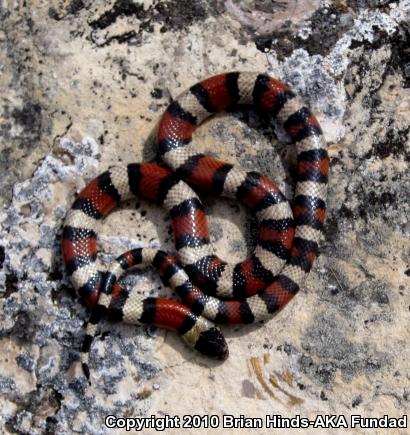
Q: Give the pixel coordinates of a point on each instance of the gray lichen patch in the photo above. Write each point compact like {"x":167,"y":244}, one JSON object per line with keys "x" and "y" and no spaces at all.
{"x":40,"y":316}
{"x":325,"y":341}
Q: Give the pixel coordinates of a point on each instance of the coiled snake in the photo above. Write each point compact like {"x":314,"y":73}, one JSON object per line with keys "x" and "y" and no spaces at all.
{"x":212,"y":290}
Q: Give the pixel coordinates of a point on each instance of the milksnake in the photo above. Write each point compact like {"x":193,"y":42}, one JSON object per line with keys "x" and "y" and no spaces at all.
{"x":211,"y":289}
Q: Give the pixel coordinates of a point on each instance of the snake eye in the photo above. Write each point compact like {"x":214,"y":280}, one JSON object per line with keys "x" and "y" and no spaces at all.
{"x":212,"y":343}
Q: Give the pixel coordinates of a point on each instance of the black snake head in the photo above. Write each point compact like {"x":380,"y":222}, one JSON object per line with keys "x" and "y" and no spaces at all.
{"x":212,"y":343}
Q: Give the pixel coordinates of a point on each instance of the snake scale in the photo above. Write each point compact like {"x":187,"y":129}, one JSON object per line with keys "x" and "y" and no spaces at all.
{"x":212,"y":290}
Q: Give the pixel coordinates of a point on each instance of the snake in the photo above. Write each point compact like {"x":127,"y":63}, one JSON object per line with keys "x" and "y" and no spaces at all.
{"x":212,"y":291}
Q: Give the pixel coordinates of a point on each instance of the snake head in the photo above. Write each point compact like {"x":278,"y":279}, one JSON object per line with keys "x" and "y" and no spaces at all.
{"x":212,"y":343}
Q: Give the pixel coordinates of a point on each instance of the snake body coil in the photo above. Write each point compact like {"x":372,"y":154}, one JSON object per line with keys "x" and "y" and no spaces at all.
{"x":211,"y":289}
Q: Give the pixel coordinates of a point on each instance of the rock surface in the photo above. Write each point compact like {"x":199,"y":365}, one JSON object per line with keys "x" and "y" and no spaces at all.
{"x":83,"y":85}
